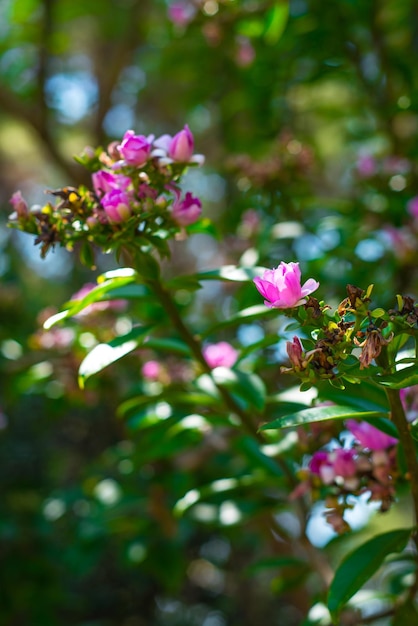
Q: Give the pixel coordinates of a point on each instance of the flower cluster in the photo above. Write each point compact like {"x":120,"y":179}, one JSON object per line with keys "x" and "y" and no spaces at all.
{"x":338,"y":345}
{"x":367,"y":467}
{"x":135,"y":198}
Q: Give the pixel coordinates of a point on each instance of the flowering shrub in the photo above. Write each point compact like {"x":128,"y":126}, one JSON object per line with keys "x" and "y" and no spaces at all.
{"x":134,"y":207}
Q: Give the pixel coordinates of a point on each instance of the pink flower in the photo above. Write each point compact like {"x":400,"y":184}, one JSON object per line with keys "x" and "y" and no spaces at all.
{"x":104,"y":181}
{"x":281,"y":287}
{"x":366,"y":165}
{"x":412,"y":207}
{"x":151,"y":370}
{"x":187,"y":211}
{"x":220,"y":354}
{"x":135,"y":149}
{"x":116,"y":205}
{"x":343,"y":462}
{"x":245,"y":55}
{"x":321,"y":465}
{"x":370,"y":437}
{"x":19,"y":205}
{"x":181,"y":13}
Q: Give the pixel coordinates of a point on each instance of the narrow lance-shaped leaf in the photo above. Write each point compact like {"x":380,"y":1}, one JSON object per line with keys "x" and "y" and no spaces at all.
{"x":358,"y":566}
{"x":401,"y":379}
{"x":95,"y":295}
{"x":105,"y":354}
{"x":319,"y":414}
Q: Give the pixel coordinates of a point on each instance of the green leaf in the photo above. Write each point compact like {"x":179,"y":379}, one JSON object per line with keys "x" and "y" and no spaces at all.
{"x":251,"y":313}
{"x":252,"y":450}
{"x":401,"y":379}
{"x":276,"y":21}
{"x":232,"y":273}
{"x":319,"y":414}
{"x":105,"y":354}
{"x":97,"y":294}
{"x":174,"y":346}
{"x":277,"y":562}
{"x":249,"y":387}
{"x":360,"y":565}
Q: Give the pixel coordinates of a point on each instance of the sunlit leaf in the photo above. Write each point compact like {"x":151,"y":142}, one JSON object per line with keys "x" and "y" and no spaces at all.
{"x":105,"y":354}
{"x":320,"y":414}
{"x":401,"y":379}
{"x":232,"y":273}
{"x":358,"y":566}
{"x":276,"y":21}
{"x":95,"y":295}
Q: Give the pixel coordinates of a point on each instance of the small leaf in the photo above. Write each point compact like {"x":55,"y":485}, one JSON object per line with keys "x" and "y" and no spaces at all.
{"x":251,"y":313}
{"x":249,"y":387}
{"x":401,"y":379}
{"x":276,"y":22}
{"x":105,"y":354}
{"x":360,"y":565}
{"x":319,"y":414}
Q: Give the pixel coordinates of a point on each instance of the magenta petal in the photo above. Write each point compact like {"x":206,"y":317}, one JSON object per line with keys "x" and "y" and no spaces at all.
{"x":310,"y":286}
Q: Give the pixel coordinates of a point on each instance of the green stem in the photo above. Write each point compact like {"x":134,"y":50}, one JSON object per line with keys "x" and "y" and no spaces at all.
{"x":408,"y":445}
{"x":319,"y":563}
{"x":195,"y":348}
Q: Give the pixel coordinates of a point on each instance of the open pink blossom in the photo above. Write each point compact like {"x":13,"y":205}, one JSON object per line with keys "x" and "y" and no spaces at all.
{"x":370,"y":437}
{"x":135,"y":149}
{"x":281,"y":287}
{"x":220,"y":354}
{"x":104,"y":181}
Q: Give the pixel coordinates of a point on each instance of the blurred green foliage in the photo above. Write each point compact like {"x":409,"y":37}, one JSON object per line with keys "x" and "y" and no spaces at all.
{"x":308,"y":117}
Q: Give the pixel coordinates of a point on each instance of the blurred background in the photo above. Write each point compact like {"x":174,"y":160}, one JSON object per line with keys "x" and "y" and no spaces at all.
{"x":308,"y":118}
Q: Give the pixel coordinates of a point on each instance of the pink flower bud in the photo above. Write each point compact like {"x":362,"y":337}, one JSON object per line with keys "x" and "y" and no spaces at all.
{"x":19,"y":205}
{"x":187,"y":211}
{"x":135,"y":149}
{"x":116,"y":205}
{"x":220,"y":354}
{"x":294,"y":350}
{"x":370,"y":437}
{"x":104,"y":181}
{"x":281,"y":287}
{"x":181,"y":146}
